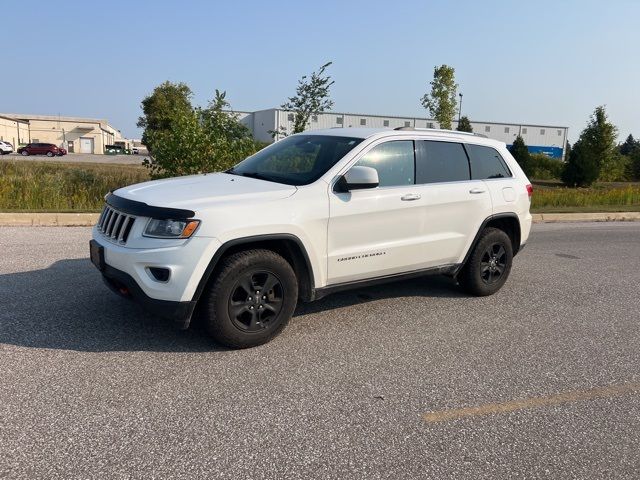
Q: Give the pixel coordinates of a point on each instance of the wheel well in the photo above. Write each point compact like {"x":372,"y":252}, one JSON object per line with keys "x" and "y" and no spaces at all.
{"x":511,"y":226}
{"x":287,"y":248}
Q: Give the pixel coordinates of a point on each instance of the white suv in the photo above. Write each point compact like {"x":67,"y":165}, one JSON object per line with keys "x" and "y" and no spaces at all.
{"x":312,"y":214}
{"x":5,"y":147}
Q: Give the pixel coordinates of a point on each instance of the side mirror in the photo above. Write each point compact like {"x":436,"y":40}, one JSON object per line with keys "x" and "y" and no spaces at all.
{"x":357,"y":178}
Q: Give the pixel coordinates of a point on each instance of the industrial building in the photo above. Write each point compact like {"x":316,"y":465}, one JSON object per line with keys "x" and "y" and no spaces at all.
{"x":547,"y":139}
{"x":79,"y":135}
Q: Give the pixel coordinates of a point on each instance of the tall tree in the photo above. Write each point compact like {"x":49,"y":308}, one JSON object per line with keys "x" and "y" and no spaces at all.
{"x":441,"y":101}
{"x":464,"y":125}
{"x":520,"y":152}
{"x":312,"y":97}
{"x":200,"y":140}
{"x":580,"y":169}
{"x":595,"y":147}
{"x":168,"y":101}
{"x":629,"y":145}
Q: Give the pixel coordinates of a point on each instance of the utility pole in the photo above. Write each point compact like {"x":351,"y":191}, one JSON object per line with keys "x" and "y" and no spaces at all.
{"x":459,"y":108}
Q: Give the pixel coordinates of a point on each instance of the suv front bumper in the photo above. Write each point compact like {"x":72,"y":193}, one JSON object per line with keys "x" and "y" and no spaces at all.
{"x":124,"y":285}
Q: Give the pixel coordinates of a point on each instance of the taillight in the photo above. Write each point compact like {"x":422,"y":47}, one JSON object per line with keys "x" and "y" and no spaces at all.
{"x":530,"y":190}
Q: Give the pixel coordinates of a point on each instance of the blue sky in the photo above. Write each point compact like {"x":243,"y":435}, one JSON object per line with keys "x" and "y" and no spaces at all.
{"x":548,"y":62}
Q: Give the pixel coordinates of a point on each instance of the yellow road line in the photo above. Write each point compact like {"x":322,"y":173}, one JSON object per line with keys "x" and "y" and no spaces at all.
{"x":535,"y":402}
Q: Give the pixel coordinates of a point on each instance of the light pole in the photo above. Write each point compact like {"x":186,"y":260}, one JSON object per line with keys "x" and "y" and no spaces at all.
{"x":459,"y":108}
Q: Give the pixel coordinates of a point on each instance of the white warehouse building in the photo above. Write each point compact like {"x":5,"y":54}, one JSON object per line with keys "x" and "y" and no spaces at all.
{"x":547,"y":139}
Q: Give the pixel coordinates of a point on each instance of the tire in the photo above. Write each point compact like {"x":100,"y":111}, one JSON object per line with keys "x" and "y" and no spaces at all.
{"x":238,"y":318}
{"x":49,"y":154}
{"x":489,"y":264}
{"x":24,"y":153}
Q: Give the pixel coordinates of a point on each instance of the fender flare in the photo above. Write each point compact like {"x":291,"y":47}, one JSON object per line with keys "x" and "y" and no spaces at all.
{"x":485,"y":222}
{"x":206,"y":276}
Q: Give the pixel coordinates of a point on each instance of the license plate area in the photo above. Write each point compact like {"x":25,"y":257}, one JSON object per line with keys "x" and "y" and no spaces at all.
{"x":96,"y":254}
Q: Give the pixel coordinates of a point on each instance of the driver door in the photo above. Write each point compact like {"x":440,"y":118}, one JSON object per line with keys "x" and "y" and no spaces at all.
{"x":377,"y":232}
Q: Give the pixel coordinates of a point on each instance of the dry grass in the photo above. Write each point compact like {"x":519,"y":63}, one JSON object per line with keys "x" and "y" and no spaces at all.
{"x":62,"y":187}
{"x":553,"y":197}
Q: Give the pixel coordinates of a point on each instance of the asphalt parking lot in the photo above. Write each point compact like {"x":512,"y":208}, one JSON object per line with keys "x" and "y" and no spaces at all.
{"x":78,"y":158}
{"x":407,"y":380}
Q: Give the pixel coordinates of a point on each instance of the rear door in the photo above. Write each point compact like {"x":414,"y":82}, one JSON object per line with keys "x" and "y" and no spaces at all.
{"x":455,"y":205}
{"x":488,"y":166}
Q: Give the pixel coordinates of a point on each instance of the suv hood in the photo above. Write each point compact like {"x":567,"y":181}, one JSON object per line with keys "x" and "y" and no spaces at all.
{"x":196,"y":192}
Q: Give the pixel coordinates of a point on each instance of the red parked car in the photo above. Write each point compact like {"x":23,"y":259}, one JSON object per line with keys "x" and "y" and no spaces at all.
{"x":62,"y":151}
{"x":48,"y":149}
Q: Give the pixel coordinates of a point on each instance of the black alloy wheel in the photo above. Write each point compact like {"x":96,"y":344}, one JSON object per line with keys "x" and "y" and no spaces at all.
{"x":251,"y":298}
{"x":256,"y":301}
{"x":493,"y":263}
{"x":489,"y":263}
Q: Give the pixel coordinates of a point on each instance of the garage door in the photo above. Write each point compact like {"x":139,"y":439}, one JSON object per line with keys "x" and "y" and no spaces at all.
{"x":86,"y":145}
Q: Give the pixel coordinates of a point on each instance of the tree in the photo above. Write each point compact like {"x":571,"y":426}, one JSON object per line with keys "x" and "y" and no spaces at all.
{"x":520,"y":152}
{"x":200,"y":140}
{"x":629,"y":145}
{"x":581,"y":169}
{"x":567,"y":151}
{"x":464,"y":125}
{"x":594,"y":149}
{"x":634,"y":167}
{"x":311,"y":98}
{"x":167,"y":102}
{"x":441,"y":102}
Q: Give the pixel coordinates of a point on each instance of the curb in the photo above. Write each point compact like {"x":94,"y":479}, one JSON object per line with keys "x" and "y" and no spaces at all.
{"x":586,"y":217}
{"x":48,"y":219}
{"x":90,"y":219}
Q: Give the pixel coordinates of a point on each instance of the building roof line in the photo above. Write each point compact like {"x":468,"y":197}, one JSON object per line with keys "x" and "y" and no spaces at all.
{"x":419,"y":118}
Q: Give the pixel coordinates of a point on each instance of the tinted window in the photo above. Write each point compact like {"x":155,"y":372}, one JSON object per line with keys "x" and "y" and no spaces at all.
{"x":486,"y":162}
{"x":296,"y":160}
{"x":440,"y":162}
{"x":394,"y":162}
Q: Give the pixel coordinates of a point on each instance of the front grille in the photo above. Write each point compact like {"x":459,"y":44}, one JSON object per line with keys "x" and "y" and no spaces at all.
{"x":115,"y":225}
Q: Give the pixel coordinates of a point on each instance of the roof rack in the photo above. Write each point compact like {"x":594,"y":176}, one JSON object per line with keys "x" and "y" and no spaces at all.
{"x":420,"y":129}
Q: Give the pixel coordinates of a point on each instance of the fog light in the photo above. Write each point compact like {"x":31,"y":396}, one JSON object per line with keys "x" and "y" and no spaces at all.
{"x":160,"y":274}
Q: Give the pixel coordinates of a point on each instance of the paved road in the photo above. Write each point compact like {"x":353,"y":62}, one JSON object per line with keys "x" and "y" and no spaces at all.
{"x":412,"y":380}
{"x":79,"y":158}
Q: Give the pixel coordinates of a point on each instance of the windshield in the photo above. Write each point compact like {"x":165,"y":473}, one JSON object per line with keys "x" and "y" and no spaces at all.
{"x":296,"y":160}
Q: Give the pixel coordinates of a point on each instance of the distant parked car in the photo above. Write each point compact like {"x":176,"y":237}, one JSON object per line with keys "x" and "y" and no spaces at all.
{"x":113,"y":149}
{"x":5,"y":147}
{"x":62,"y":151}
{"x":48,"y":149}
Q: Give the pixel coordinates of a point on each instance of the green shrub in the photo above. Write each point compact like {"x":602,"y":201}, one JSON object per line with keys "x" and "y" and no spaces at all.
{"x":542,"y":167}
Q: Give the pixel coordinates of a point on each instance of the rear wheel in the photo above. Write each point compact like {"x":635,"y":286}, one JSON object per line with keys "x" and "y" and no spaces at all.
{"x":489,"y":264}
{"x":251,"y":299}
{"x":49,"y":154}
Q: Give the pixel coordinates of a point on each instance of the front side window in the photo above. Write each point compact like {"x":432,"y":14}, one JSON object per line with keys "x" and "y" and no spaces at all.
{"x":486,"y":163}
{"x":394,"y":162}
{"x":296,"y":160}
{"x":441,"y":162}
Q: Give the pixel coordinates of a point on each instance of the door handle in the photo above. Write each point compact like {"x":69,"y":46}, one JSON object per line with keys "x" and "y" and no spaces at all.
{"x":476,"y":190}
{"x":410,"y":197}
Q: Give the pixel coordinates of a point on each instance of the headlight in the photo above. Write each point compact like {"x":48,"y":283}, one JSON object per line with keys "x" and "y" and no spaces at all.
{"x":170,"y":228}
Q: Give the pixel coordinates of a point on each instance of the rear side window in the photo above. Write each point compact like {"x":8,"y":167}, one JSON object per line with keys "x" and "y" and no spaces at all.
{"x":441,"y":162}
{"x":394,"y":162}
{"x":486,"y":163}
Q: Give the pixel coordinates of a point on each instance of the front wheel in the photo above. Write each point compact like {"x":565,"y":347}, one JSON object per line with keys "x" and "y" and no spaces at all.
{"x":489,"y":264}
{"x":251,"y":299}
{"x":24,"y":153}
